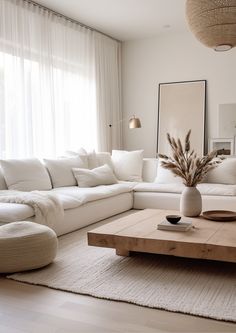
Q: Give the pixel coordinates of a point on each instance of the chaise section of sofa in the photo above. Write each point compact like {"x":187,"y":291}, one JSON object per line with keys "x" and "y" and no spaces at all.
{"x":167,"y":196}
{"x":161,"y":190}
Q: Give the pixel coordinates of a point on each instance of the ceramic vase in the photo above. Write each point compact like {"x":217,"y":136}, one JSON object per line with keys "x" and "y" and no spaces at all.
{"x":190,"y":202}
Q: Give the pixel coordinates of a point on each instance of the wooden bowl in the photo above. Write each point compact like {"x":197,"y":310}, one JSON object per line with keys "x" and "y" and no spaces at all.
{"x":173,"y":219}
{"x":219,"y":215}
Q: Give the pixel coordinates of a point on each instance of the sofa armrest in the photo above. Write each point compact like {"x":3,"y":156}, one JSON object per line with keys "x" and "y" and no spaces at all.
{"x":149,"y":169}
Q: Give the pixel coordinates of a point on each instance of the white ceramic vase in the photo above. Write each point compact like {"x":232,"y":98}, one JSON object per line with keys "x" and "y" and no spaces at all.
{"x":190,"y":202}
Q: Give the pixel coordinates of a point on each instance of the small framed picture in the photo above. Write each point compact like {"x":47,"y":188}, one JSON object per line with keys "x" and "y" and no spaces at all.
{"x":224,"y":146}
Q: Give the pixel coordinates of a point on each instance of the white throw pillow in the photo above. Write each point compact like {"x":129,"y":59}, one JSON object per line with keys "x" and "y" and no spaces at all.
{"x":60,"y":170}
{"x":104,"y":158}
{"x":165,"y":176}
{"x":224,"y":173}
{"x":92,"y":159}
{"x":25,"y":175}
{"x":128,"y":165}
{"x":81,"y":153}
{"x":102,"y":175}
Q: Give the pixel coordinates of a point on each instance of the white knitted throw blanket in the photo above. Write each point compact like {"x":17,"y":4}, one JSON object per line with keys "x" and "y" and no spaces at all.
{"x":47,"y":207}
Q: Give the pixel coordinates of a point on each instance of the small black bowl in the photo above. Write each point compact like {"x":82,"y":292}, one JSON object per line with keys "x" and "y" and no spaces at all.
{"x":173,"y":219}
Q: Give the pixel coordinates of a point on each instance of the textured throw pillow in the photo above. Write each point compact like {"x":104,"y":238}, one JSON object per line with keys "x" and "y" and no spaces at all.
{"x":165,"y":176}
{"x":128,"y":165}
{"x":102,"y":175}
{"x":25,"y":175}
{"x":60,"y":170}
{"x":224,"y":173}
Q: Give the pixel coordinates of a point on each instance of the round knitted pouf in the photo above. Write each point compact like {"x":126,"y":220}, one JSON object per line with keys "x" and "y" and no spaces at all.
{"x":26,"y":245}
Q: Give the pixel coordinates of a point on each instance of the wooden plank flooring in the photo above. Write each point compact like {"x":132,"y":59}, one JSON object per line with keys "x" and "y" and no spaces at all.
{"x":34,"y":309}
{"x":25,"y":308}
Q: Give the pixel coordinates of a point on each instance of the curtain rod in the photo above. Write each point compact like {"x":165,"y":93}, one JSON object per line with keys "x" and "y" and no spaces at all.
{"x":69,"y":19}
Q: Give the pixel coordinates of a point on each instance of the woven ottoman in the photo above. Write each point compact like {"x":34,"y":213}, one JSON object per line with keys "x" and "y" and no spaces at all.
{"x":26,"y":245}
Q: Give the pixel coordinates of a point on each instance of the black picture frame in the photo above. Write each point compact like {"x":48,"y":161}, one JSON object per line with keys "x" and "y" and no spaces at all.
{"x":204,"y":103}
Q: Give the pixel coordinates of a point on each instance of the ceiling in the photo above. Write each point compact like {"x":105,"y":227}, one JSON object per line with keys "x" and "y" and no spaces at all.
{"x":124,"y":19}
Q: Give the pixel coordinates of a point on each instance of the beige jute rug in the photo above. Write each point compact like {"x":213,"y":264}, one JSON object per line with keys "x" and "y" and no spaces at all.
{"x":195,"y":287}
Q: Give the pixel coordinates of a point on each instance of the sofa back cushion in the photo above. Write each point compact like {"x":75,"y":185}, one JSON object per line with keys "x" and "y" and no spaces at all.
{"x":60,"y":170}
{"x":165,"y":176}
{"x":102,"y":175}
{"x":128,"y":165}
{"x":25,"y":174}
{"x":101,"y":159}
{"x":149,"y":169}
{"x":94,"y":159}
{"x":224,"y":173}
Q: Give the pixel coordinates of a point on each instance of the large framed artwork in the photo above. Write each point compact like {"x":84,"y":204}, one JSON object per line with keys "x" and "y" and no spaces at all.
{"x":182,"y":106}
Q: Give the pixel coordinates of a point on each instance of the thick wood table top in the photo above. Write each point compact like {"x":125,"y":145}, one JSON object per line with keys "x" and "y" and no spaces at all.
{"x":138,"y":232}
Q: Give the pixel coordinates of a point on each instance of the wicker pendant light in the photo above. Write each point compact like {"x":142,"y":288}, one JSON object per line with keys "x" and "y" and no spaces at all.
{"x":213,"y":22}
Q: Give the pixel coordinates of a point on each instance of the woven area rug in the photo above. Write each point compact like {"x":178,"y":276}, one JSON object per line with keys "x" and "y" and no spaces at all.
{"x":195,"y":287}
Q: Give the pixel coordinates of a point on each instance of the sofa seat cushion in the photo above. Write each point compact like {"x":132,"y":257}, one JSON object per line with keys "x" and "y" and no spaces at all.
{"x":74,"y":196}
{"x":217,"y":189}
{"x":14,"y":212}
{"x":204,"y":188}
{"x":161,"y":188}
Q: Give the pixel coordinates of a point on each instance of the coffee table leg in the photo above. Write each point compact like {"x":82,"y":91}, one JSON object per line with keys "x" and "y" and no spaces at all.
{"x":122,"y":252}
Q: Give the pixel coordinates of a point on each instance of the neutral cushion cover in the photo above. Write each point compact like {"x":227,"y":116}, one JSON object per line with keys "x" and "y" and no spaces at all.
{"x":165,"y":176}
{"x":81,"y":153}
{"x":101,"y":159}
{"x":25,"y":246}
{"x":94,"y":159}
{"x":10,"y":212}
{"x":128,"y":164}
{"x":224,"y":173}
{"x":61,"y":170}
{"x":25,"y":174}
{"x":75,"y":196}
{"x":204,"y":188}
{"x":149,"y":169}
{"x":102,"y":175}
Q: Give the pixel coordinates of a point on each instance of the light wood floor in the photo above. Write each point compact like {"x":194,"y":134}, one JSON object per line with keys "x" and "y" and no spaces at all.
{"x":34,"y":309}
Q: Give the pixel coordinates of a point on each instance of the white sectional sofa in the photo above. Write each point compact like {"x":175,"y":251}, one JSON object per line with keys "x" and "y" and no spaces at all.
{"x":84,"y":206}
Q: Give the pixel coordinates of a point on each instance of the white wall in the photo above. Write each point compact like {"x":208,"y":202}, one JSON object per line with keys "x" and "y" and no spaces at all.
{"x":168,"y":58}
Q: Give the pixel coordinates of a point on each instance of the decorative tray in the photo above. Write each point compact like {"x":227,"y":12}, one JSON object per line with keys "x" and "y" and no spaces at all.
{"x":219,"y":215}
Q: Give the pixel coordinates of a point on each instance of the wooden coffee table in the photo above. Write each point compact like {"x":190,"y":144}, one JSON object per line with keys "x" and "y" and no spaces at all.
{"x":138,"y":232}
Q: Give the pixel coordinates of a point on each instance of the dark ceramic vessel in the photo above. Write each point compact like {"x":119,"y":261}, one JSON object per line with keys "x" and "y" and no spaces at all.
{"x":173,"y":219}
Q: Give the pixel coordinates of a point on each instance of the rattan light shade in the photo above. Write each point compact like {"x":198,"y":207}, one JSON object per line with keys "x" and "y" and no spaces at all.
{"x":213,"y":22}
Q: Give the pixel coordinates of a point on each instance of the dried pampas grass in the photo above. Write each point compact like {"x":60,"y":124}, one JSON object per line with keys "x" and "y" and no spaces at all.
{"x":185,"y":163}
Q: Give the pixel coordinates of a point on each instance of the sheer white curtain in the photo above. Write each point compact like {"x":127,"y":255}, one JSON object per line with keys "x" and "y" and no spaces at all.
{"x":108,"y":76}
{"x":48,"y":90}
